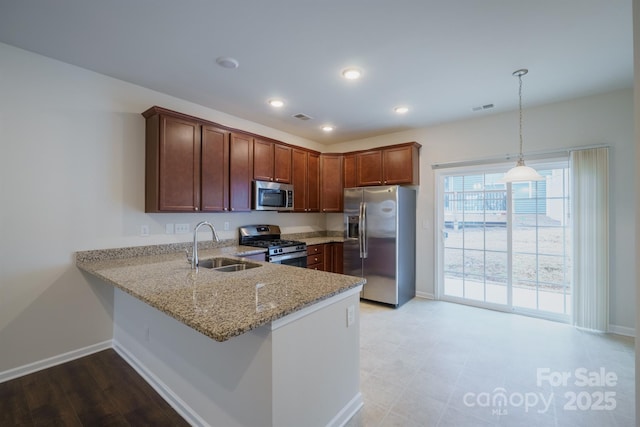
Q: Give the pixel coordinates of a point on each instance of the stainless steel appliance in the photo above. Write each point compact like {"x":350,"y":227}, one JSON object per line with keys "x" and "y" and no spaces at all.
{"x":272,"y":196}
{"x":288,"y":252}
{"x":380,"y":241}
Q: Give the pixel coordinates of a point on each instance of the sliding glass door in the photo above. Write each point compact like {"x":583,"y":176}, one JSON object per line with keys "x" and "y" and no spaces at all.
{"x":506,"y":246}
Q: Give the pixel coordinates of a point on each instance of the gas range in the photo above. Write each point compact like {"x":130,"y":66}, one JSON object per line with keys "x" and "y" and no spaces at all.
{"x":290,"y":252}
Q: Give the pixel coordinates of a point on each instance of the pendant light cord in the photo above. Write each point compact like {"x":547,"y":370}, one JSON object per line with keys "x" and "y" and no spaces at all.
{"x":521,"y":158}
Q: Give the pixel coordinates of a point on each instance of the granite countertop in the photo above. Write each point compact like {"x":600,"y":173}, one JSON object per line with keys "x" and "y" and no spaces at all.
{"x":321,"y":240}
{"x":220,"y":305}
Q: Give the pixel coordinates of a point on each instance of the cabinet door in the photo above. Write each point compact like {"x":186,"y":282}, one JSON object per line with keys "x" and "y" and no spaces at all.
{"x":179,"y":165}
{"x":400,"y":165}
{"x":262,"y":160}
{"x":331,"y":182}
{"x":281,"y":163}
{"x":369,"y":168}
{"x":313,"y":182}
{"x":299,"y":179}
{"x":215,"y":170}
{"x":338,"y":257}
{"x":240,"y":172}
{"x":349,"y":165}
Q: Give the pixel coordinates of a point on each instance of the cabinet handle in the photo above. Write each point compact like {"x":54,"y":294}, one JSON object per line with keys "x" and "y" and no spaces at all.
{"x":195,"y":209}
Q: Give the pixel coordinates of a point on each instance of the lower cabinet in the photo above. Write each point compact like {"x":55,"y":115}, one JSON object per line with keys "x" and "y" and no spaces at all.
{"x":326,"y":257}
{"x":315,"y":257}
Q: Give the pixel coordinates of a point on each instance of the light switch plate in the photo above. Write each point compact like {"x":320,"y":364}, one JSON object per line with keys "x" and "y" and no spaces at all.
{"x":351,"y":315}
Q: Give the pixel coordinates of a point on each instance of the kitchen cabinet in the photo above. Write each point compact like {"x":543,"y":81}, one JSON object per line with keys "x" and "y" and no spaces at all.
{"x":398,"y":164}
{"x":326,"y":257}
{"x":369,"y":168}
{"x":315,"y":257}
{"x":214,"y":169}
{"x":349,"y":169}
{"x":331,"y":194}
{"x":271,"y":161}
{"x":305,"y":173}
{"x":240,"y":171}
{"x":186,"y":164}
{"x":401,"y":165}
{"x":334,"y":257}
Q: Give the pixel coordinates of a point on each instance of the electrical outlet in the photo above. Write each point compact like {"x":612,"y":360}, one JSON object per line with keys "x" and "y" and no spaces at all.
{"x":144,"y":230}
{"x":351,"y":315}
{"x":226,"y":226}
{"x":168,"y":229}
{"x":182,"y":228}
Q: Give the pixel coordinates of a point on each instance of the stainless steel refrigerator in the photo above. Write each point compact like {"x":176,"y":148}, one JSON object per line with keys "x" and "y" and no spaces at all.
{"x":380,"y":241}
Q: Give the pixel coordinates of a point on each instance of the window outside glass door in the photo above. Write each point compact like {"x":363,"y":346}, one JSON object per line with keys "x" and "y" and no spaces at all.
{"x":507,"y":246}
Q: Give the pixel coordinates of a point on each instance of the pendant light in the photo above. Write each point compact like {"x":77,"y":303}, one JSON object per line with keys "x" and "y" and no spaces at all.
{"x":521,"y":172}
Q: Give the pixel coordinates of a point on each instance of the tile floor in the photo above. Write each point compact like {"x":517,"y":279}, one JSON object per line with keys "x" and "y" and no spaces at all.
{"x":433,"y":363}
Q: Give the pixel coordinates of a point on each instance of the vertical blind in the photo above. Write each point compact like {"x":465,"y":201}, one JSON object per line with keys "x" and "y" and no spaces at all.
{"x":590,"y":209}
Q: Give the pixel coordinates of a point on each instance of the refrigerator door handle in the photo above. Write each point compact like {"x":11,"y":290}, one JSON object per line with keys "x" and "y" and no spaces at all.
{"x":360,"y":249}
{"x":363,"y":228}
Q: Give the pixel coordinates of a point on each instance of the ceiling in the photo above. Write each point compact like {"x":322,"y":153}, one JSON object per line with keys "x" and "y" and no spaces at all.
{"x":439,"y":58}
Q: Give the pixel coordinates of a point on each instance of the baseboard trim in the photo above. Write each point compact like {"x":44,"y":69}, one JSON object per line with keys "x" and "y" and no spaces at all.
{"x":53,"y":361}
{"x":349,"y":410}
{"x":425,"y":295}
{"x":161,"y":388}
{"x":622,"y":330}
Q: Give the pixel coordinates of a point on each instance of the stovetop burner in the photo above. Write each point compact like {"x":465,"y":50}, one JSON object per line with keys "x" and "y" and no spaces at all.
{"x":272,"y":243}
{"x":267,"y":236}
{"x":279,"y":251}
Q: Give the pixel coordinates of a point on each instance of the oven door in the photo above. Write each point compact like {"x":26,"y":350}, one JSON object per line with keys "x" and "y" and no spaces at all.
{"x":296,"y":259}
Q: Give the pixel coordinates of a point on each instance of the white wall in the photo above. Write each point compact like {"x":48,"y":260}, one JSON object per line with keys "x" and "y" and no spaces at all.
{"x":72,"y":178}
{"x":603,"y":119}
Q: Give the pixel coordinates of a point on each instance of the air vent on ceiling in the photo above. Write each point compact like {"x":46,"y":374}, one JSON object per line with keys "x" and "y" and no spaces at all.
{"x":482,"y":107}
{"x":302,"y":116}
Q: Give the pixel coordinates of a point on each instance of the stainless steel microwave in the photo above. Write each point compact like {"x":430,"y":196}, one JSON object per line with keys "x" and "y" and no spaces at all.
{"x":272,"y":196}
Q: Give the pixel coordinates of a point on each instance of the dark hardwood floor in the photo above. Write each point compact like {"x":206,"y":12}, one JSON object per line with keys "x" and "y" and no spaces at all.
{"x":97,"y":390}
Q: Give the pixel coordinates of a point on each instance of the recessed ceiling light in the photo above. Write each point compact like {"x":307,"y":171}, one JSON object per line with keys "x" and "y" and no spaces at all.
{"x":401,"y":110}
{"x":277,"y":103}
{"x":351,"y":73}
{"x":327,"y":128}
{"x":227,"y":62}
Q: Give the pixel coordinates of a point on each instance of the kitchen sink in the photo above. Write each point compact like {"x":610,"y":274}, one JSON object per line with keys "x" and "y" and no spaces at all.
{"x":227,"y":264}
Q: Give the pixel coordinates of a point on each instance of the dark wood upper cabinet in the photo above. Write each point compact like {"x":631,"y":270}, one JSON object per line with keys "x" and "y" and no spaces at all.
{"x":369,"y":168}
{"x":331,"y":194}
{"x":240,"y":171}
{"x":349,"y":176}
{"x":194,"y":165}
{"x":282,"y":163}
{"x":305,"y":174}
{"x":172,"y":164}
{"x":391,"y":165}
{"x":313,"y":182}
{"x":401,"y":165}
{"x":215,"y":170}
{"x":263,"y":160}
{"x":187,"y":164}
{"x":271,"y":161}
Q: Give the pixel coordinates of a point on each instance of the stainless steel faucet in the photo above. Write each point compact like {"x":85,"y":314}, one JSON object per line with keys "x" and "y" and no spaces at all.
{"x":194,"y":256}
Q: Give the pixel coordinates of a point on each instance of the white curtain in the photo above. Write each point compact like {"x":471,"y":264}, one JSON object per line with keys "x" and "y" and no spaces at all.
{"x":590,"y":209}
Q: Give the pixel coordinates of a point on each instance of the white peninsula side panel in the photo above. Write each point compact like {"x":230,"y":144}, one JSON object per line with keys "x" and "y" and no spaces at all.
{"x":302,"y":369}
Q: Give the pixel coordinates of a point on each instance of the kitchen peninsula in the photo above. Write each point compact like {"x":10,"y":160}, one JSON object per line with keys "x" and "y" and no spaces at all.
{"x":272,"y":345}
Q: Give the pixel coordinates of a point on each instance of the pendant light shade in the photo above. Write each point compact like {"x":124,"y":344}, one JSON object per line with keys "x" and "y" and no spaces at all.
{"x":521,"y":172}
